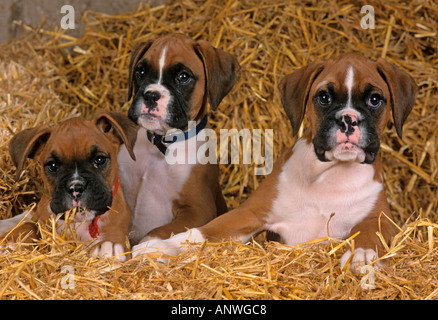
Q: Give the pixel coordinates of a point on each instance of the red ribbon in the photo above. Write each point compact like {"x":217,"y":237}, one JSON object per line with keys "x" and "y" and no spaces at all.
{"x":116,"y":186}
{"x":93,"y":228}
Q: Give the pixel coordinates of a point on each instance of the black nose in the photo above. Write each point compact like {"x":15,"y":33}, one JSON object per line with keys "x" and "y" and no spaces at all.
{"x":347,"y":124}
{"x":151,"y":98}
{"x":76,"y":189}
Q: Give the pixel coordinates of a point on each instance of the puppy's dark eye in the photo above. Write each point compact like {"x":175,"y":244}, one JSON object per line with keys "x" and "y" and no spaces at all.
{"x":374,"y":101}
{"x":52,"y":166}
{"x":183,"y":77}
{"x":99,"y":161}
{"x":139,"y":73}
{"x":324,"y":99}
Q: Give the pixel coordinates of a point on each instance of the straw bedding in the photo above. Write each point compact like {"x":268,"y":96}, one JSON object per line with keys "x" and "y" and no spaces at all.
{"x":47,"y":76}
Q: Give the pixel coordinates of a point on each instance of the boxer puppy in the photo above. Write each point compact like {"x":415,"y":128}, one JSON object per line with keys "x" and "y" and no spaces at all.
{"x":78,"y":161}
{"x":172,"y":79}
{"x":335,"y":168}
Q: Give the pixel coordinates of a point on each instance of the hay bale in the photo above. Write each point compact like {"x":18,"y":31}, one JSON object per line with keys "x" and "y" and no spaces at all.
{"x":47,"y":76}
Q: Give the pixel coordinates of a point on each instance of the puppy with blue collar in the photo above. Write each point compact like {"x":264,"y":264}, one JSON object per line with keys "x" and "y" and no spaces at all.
{"x":172,"y":80}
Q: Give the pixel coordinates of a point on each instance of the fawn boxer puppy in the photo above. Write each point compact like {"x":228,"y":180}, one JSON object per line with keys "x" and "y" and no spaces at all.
{"x":79,"y":170}
{"x":172,"y":80}
{"x":335,"y":168}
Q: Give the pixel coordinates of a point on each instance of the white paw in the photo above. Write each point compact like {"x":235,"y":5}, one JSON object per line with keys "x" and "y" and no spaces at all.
{"x":156,"y":245}
{"x":171,"y":247}
{"x":108,"y":249}
{"x":361,"y":258}
{"x":8,"y":248}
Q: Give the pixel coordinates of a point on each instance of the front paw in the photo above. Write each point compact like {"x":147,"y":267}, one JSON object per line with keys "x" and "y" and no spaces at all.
{"x":7,"y":248}
{"x":361,"y":258}
{"x":109,"y":249}
{"x":155,"y":245}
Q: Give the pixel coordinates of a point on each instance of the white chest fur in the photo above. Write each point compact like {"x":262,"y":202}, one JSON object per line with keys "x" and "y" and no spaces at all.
{"x":311,"y":190}
{"x":150,"y":185}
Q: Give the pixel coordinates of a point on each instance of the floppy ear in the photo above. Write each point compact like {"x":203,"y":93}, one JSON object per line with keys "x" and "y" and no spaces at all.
{"x":135,"y":57}
{"x":294,"y":92}
{"x":221,"y":71}
{"x":403,"y":91}
{"x":119,"y":126}
{"x":27,"y":144}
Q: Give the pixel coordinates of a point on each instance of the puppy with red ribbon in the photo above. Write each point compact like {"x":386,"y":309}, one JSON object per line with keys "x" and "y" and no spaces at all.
{"x":79,"y":169}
